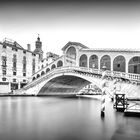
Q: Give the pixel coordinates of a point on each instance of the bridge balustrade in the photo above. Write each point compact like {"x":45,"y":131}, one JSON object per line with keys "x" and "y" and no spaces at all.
{"x":99,"y":72}
{"x":82,"y":71}
{"x":86,"y":71}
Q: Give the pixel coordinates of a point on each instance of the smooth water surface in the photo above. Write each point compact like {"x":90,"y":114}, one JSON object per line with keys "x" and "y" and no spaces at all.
{"x":56,"y":118}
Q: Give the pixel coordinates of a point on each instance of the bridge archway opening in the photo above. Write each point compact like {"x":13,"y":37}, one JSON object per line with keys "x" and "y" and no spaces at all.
{"x":119,"y":63}
{"x":37,"y":76}
{"x":47,"y":70}
{"x":93,"y":60}
{"x":42,"y":73}
{"x":83,"y":61}
{"x":53,"y":66}
{"x":64,"y":84}
{"x":105,"y":61}
{"x":134,"y":65}
{"x":33,"y":78}
{"x":59,"y":63}
{"x":71,"y":52}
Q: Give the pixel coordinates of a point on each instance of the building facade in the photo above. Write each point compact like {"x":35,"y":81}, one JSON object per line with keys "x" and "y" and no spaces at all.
{"x":16,"y":65}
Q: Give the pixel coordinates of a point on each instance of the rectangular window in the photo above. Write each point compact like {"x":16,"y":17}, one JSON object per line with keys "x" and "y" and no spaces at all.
{"x":4,"y":72}
{"x":15,"y":49}
{"x":14,"y":73}
{"x":4,"y":46}
{"x":3,"y":79}
{"x":24,"y":74}
{"x":14,"y":80}
{"x":4,"y":59}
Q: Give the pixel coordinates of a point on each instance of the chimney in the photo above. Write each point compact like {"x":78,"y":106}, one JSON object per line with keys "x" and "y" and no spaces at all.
{"x":28,"y":47}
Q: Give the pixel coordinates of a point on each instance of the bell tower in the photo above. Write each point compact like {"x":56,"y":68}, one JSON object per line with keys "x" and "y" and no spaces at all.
{"x":38,"y":49}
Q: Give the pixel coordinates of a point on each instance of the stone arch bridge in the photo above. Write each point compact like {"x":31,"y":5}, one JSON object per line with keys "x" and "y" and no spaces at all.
{"x":80,"y":66}
{"x":69,"y":80}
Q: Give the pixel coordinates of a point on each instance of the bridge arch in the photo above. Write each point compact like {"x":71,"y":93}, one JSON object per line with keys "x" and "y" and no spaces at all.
{"x":71,"y":52}
{"x":119,"y":63}
{"x":42,"y":73}
{"x":33,"y":78}
{"x":59,"y":63}
{"x":83,"y":60}
{"x":134,"y":65}
{"x":93,"y":60}
{"x":66,"y":83}
{"x":37,"y":76}
{"x":53,"y":66}
{"x":105,"y":61}
{"x":47,"y":70}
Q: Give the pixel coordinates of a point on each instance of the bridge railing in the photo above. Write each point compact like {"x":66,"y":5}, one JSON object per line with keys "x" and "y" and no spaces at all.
{"x":65,"y":69}
{"x":129,"y":76}
{"x":44,"y":68}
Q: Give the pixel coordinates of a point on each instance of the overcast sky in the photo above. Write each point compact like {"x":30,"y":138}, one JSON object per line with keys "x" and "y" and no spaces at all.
{"x":94,"y":24}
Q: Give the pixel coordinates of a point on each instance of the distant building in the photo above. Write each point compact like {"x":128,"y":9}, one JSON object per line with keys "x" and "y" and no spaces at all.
{"x":17,"y":64}
{"x":50,"y":57}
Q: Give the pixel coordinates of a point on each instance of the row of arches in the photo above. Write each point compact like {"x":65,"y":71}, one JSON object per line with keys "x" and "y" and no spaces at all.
{"x":119,"y":63}
{"x":59,"y":64}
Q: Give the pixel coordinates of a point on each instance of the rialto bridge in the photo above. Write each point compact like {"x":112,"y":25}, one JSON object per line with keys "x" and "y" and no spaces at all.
{"x":80,"y":66}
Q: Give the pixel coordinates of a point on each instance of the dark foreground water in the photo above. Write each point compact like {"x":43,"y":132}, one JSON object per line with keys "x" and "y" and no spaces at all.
{"x":53,"y":118}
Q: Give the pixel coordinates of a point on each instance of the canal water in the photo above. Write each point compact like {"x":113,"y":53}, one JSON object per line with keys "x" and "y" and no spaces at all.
{"x":59,"y":118}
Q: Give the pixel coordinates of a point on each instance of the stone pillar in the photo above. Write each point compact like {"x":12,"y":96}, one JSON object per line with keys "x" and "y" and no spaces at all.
{"x":98,"y":63}
{"x":126,"y":65}
{"x":18,"y":85}
{"x":87,"y":61}
{"x":112,"y":64}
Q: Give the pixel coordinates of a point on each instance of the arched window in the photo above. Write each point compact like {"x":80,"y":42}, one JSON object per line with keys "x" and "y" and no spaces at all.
{"x":93,"y":61}
{"x":53,"y":66}
{"x":83,"y":61}
{"x":47,"y":70}
{"x":59,"y":63}
{"x":37,"y":76}
{"x":119,"y":63}
{"x":42,"y":73}
{"x":71,"y":52}
{"x":105,"y":61}
{"x":134,"y":65}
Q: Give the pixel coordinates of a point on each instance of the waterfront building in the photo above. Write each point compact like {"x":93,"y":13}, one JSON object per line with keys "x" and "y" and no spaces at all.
{"x":17,"y":64}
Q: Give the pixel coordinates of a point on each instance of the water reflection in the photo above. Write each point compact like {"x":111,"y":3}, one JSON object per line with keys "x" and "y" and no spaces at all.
{"x":51,"y":118}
